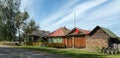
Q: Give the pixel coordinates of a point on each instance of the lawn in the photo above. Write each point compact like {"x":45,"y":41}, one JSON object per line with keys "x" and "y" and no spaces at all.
{"x":73,"y":53}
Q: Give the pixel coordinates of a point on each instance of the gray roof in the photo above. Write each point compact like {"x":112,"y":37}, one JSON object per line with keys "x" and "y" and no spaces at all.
{"x":40,"y":33}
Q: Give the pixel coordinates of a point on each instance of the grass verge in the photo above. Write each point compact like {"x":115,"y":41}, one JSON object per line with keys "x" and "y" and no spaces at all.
{"x":73,"y":53}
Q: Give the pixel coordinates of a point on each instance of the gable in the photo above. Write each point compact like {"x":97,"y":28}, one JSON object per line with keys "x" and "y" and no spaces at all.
{"x":75,"y":31}
{"x":106,"y":31}
{"x":99,"y":33}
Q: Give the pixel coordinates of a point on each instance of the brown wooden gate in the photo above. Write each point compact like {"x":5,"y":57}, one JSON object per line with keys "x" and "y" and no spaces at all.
{"x":80,"y":42}
{"x":69,"y":43}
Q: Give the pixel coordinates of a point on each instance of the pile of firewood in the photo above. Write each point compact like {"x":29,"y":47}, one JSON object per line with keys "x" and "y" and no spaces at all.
{"x":110,"y":50}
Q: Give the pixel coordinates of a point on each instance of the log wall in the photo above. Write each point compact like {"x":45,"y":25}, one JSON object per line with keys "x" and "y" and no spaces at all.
{"x":98,"y":39}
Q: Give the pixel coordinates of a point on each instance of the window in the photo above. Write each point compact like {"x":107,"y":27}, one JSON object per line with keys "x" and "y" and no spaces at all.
{"x":55,"y":40}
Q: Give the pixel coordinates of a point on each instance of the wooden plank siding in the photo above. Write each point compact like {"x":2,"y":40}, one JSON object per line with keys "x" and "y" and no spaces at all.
{"x":80,"y":42}
{"x":94,"y":43}
{"x":100,"y":34}
{"x":75,"y":42}
{"x":69,"y":43}
{"x":77,"y":38}
{"x":98,"y":39}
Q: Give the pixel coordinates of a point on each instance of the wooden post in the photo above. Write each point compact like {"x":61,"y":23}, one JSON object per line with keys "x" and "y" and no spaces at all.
{"x":73,"y":41}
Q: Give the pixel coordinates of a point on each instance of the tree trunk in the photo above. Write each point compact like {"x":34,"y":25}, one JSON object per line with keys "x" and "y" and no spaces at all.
{"x":19,"y":37}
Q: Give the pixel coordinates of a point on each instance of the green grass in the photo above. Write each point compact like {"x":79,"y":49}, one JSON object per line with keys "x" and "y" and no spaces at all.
{"x":73,"y":53}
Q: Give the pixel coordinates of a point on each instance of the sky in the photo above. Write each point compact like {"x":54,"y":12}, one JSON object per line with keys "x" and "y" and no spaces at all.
{"x":53,"y":14}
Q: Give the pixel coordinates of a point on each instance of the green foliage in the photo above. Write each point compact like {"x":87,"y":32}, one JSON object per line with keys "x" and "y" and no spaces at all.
{"x":119,"y":38}
{"x":11,"y":19}
{"x":20,"y":21}
{"x":8,"y":10}
{"x":29,"y":27}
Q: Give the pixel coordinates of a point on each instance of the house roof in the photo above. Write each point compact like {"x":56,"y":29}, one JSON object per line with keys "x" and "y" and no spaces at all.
{"x":40,"y":33}
{"x":107,"y":31}
{"x":79,"y":31}
{"x":59,"y":32}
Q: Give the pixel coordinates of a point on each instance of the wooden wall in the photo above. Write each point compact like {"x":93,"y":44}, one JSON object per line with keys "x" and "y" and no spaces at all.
{"x":75,"y":41}
{"x":69,"y":42}
{"x":98,"y":39}
{"x":96,"y":43}
{"x":99,"y":34}
{"x":80,"y":42}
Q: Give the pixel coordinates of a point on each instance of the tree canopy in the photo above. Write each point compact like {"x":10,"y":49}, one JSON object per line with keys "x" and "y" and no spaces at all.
{"x":8,"y":11}
{"x":12,"y":20}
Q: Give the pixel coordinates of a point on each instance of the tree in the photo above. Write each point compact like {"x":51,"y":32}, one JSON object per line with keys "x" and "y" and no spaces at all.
{"x":29,"y":27}
{"x":32,"y":26}
{"x":7,"y":30}
{"x":20,"y":20}
{"x":8,"y":10}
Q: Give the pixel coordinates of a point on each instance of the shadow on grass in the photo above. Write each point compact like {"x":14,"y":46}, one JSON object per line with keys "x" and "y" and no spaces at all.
{"x":70,"y":53}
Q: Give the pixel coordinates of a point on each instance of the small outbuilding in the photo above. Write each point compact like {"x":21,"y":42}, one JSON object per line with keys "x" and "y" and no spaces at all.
{"x":101,"y":37}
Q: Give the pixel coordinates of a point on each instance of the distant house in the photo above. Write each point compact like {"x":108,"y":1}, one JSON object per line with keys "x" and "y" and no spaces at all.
{"x":57,"y":38}
{"x":76,"y":38}
{"x":101,"y":37}
{"x":36,"y":36}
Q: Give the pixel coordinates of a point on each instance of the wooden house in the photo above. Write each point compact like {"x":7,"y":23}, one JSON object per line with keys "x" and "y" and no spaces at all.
{"x":76,"y":38}
{"x":57,"y":38}
{"x":37,"y":37}
{"x":101,"y":37}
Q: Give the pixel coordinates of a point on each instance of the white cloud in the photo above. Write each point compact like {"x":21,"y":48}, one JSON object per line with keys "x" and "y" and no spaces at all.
{"x":106,"y":15}
{"x":61,"y":12}
{"x":80,"y":10}
{"x":106,"y":10}
{"x":28,"y":6}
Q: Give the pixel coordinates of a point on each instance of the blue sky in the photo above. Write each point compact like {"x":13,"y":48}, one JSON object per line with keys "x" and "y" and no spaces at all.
{"x":52,"y":14}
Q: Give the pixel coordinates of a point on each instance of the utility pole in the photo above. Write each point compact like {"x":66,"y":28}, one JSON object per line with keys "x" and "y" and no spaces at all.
{"x":74,"y":27}
{"x":74,"y":19}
